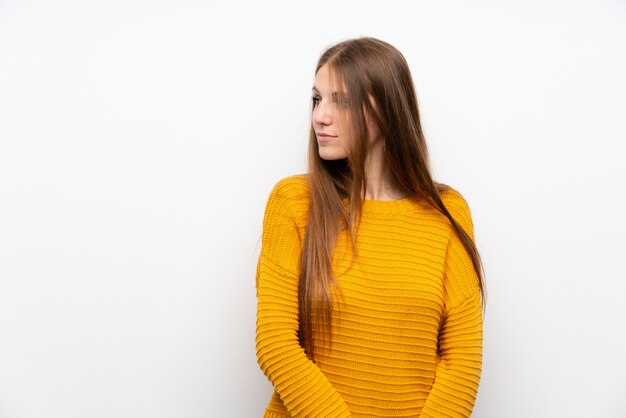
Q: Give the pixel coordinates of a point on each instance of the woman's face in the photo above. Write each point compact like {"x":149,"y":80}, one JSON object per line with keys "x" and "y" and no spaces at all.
{"x":331,"y":117}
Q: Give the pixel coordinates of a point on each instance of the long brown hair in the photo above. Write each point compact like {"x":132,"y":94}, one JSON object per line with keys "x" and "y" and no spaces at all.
{"x":366,"y":67}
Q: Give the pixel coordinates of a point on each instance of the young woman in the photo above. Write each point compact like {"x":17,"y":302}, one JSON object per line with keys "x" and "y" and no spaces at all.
{"x":369,"y":285}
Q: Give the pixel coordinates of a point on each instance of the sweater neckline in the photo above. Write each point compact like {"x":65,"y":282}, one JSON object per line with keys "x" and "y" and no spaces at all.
{"x":388,"y":206}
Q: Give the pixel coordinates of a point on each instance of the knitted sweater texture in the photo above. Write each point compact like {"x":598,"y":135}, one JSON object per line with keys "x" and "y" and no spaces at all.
{"x":407,"y":316}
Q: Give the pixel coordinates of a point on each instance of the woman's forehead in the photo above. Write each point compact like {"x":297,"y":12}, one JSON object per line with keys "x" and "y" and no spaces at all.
{"x":328,"y":80}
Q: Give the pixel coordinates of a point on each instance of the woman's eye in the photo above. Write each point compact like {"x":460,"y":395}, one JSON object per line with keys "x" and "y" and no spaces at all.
{"x":316,"y":100}
{"x":341,"y":100}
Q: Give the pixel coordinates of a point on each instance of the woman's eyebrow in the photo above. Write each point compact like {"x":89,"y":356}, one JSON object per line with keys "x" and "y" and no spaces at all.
{"x":334,"y":93}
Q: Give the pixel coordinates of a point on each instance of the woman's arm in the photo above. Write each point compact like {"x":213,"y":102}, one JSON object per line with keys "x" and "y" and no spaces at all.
{"x":303,"y":388}
{"x":460,"y":338}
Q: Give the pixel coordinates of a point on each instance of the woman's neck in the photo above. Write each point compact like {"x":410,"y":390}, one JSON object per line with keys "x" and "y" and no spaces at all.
{"x":379,"y":184}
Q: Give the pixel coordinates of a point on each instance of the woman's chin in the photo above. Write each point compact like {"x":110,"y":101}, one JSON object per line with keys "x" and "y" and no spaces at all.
{"x":331,"y":155}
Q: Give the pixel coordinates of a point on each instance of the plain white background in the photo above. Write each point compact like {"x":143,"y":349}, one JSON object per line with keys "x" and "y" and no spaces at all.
{"x":139,"y":141}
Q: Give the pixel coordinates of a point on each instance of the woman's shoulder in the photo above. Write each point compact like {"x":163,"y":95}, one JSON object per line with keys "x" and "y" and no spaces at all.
{"x":293,"y":187}
{"x":451,"y":196}
{"x":293,"y":184}
{"x":457,"y":205}
{"x":289,"y":198}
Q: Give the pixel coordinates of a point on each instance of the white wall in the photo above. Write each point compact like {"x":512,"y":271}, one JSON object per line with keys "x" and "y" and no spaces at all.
{"x":139,"y":141}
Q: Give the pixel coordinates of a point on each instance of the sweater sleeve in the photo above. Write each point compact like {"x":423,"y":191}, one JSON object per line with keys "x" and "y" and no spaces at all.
{"x":301,"y":385}
{"x":460,"y":338}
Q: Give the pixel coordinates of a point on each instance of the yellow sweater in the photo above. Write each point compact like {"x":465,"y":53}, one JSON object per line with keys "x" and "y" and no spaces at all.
{"x":407,"y":322}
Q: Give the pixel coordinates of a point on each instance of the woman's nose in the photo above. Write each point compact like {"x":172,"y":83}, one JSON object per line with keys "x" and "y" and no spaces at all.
{"x":321,"y":114}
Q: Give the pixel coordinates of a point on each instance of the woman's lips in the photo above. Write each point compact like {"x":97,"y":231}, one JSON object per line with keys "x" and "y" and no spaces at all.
{"x":325,"y":137}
